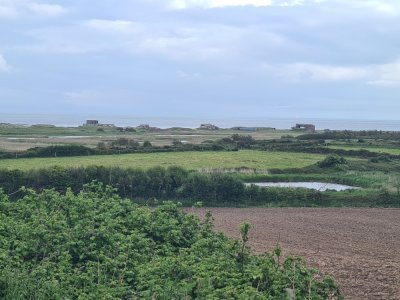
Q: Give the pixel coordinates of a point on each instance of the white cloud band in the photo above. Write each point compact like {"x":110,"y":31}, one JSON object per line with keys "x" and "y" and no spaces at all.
{"x":379,"y":75}
{"x":182,"y":4}
{"x":4,"y":67}
{"x":51,"y":10}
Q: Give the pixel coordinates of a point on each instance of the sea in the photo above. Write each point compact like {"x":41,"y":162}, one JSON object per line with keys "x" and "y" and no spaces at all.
{"x":194,"y":122}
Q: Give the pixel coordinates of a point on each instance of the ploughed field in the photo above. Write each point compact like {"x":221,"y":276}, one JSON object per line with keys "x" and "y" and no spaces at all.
{"x":359,"y":247}
{"x":191,"y":160}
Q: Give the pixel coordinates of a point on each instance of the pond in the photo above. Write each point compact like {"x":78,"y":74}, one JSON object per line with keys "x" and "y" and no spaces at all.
{"x":319,"y":186}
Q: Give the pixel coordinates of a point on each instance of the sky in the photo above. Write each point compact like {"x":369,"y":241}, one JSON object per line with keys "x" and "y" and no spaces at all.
{"x":202,"y":58}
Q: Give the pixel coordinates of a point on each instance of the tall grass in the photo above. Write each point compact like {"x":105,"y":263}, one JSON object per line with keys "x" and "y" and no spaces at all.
{"x":189,"y":160}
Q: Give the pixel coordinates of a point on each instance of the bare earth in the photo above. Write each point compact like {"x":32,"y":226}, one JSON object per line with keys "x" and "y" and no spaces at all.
{"x":360,"y":248}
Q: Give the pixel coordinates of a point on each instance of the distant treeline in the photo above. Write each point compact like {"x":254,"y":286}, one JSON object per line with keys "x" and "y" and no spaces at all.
{"x":349,"y":134}
{"x":175,"y":183}
{"x":125,"y":146}
{"x":79,"y":150}
{"x":317,"y":147}
{"x":51,"y":151}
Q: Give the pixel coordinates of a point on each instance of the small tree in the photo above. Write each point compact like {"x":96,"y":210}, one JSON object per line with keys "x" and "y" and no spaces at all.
{"x":101,"y":146}
{"x":177,"y":143}
{"x":147,"y":144}
{"x":244,"y":236}
{"x":132,"y":144}
{"x":332,"y":160}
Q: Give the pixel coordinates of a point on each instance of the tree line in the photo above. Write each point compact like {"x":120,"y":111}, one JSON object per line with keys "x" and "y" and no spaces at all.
{"x":174,"y":183}
{"x":351,"y":134}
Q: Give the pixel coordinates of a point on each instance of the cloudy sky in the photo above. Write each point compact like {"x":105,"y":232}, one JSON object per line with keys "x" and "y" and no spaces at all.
{"x":202,"y":58}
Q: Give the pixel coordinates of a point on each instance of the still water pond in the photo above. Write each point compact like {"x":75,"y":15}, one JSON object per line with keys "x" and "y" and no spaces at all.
{"x":320,"y":186}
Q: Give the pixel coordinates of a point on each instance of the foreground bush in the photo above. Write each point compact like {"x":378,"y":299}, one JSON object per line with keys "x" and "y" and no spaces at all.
{"x":95,"y":245}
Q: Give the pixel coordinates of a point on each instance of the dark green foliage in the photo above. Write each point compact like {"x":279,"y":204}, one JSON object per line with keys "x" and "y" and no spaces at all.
{"x":51,"y":151}
{"x":234,"y":143}
{"x":332,"y":161}
{"x":174,"y":183}
{"x":177,"y":143}
{"x":349,"y":134}
{"x":147,"y":144}
{"x":381,"y":158}
{"x":213,"y":188}
{"x":243,"y":141}
{"x":101,"y":146}
{"x":170,"y":183}
{"x":313,"y":146}
{"x":123,"y":144}
{"x":57,"y":151}
{"x":95,"y":245}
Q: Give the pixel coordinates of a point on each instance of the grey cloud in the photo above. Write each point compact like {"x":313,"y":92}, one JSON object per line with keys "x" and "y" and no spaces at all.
{"x":278,"y":34}
{"x":288,"y":58}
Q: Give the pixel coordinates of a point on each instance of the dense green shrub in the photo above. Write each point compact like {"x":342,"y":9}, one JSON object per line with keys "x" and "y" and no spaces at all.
{"x":95,"y":245}
{"x":381,"y":158}
{"x":58,"y":150}
{"x":214,"y":188}
{"x":170,"y":183}
{"x":147,"y":144}
{"x":332,"y":161}
{"x":349,"y":134}
{"x":174,"y":183}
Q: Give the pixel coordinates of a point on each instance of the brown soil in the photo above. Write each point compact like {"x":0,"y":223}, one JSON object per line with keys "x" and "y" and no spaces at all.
{"x":360,"y":248}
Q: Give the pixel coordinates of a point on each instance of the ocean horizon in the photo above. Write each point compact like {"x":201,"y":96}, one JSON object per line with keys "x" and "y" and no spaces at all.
{"x":66,"y":120}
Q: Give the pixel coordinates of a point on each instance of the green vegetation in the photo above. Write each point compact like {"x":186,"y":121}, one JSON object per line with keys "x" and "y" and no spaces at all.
{"x":29,"y":131}
{"x":92,"y":240}
{"x":333,"y":161}
{"x":138,"y":174}
{"x":95,"y":245}
{"x":51,"y":151}
{"x":394,"y":151}
{"x":353,"y":135}
{"x":260,"y":160}
{"x":189,"y":187}
{"x":16,"y":138}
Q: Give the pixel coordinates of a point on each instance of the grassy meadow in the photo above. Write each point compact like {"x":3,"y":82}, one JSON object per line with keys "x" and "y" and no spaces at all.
{"x":260,"y":160}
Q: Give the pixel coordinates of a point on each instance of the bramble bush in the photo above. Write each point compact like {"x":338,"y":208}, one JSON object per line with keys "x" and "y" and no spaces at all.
{"x":96,"y":245}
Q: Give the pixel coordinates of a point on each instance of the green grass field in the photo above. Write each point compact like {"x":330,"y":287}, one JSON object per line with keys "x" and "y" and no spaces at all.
{"x":369,"y":148}
{"x":190,"y":160}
